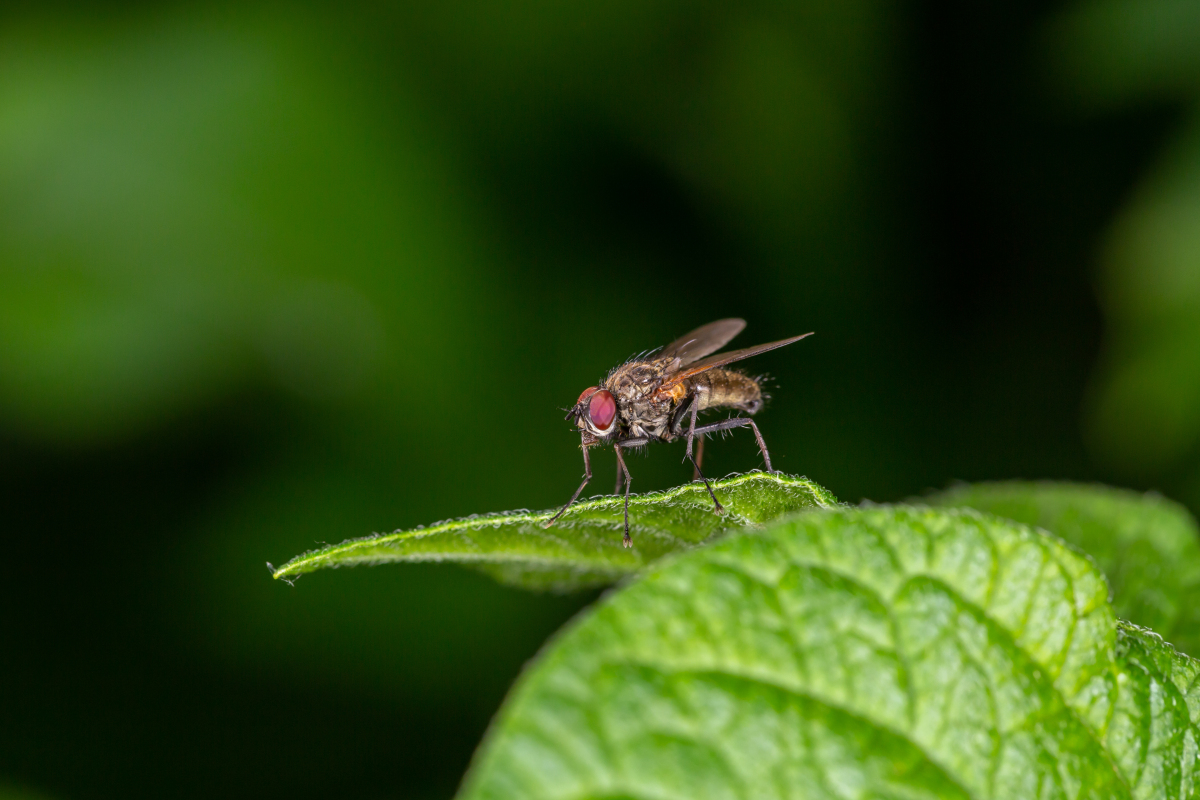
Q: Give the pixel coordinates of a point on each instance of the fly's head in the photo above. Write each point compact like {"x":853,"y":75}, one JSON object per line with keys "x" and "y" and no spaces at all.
{"x":595,"y":414}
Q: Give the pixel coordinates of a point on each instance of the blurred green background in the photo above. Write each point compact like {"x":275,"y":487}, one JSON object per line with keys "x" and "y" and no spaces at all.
{"x":275,"y":275}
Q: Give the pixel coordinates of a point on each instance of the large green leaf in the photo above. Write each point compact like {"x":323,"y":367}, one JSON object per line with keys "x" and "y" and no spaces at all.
{"x":584,"y":547}
{"x":1148,"y":546}
{"x":866,"y":653}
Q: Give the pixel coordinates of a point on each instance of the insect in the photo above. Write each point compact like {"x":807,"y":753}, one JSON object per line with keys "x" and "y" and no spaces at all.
{"x":658,"y":398}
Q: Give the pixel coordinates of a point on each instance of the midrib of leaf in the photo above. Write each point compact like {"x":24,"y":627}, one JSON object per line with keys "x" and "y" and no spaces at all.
{"x":584,"y":546}
{"x":833,"y":609}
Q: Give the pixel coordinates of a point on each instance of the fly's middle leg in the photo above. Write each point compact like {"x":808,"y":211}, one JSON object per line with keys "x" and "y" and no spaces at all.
{"x":738,"y":422}
{"x":691,"y":434}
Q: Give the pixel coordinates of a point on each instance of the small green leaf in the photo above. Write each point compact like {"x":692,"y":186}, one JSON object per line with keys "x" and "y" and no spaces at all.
{"x":584,"y":546}
{"x":1148,"y":546}
{"x":885,"y":652}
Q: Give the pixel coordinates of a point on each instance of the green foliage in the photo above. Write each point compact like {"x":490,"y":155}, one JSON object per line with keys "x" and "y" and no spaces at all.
{"x":878,"y":652}
{"x":132,"y":291}
{"x":584,"y":546}
{"x":915,"y":652}
{"x":1147,"y":546}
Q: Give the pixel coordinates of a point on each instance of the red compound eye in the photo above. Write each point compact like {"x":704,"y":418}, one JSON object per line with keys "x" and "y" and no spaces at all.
{"x":602,"y":409}
{"x":586,"y":393}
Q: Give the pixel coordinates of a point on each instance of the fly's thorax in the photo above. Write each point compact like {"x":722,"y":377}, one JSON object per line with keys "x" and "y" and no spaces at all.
{"x":643,"y":410}
{"x":637,"y":379}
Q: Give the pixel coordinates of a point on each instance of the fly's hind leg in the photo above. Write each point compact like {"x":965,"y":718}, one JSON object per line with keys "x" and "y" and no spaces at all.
{"x":699,"y":457}
{"x":762,"y":446}
{"x":738,"y":422}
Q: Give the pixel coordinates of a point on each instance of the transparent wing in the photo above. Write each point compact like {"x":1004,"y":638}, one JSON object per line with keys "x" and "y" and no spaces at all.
{"x":721,"y":359}
{"x":702,"y":341}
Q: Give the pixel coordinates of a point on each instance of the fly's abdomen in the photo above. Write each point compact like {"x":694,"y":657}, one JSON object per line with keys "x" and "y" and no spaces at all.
{"x":720,"y":388}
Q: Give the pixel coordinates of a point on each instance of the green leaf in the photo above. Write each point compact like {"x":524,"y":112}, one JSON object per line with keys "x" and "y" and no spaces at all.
{"x":1148,"y":546}
{"x":1156,"y":710}
{"x":885,"y":652}
{"x":584,"y":546}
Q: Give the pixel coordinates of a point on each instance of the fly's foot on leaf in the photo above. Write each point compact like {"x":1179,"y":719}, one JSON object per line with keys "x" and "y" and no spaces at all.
{"x":627,"y":541}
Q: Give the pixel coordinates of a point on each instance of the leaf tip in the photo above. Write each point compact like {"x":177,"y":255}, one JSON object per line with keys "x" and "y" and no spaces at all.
{"x":281,"y":574}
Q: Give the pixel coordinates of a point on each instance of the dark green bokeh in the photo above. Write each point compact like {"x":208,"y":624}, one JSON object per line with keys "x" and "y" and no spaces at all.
{"x":272,"y":277}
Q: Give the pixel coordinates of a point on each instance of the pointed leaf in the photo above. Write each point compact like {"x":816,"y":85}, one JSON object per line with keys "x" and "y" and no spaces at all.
{"x":584,"y":546}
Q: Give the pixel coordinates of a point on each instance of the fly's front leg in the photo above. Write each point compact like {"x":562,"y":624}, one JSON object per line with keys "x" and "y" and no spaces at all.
{"x":621,"y":468}
{"x":587,"y":476}
{"x":633,"y":441}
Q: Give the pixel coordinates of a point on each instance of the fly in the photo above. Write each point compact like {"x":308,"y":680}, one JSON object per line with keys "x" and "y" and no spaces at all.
{"x":657,"y":398}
